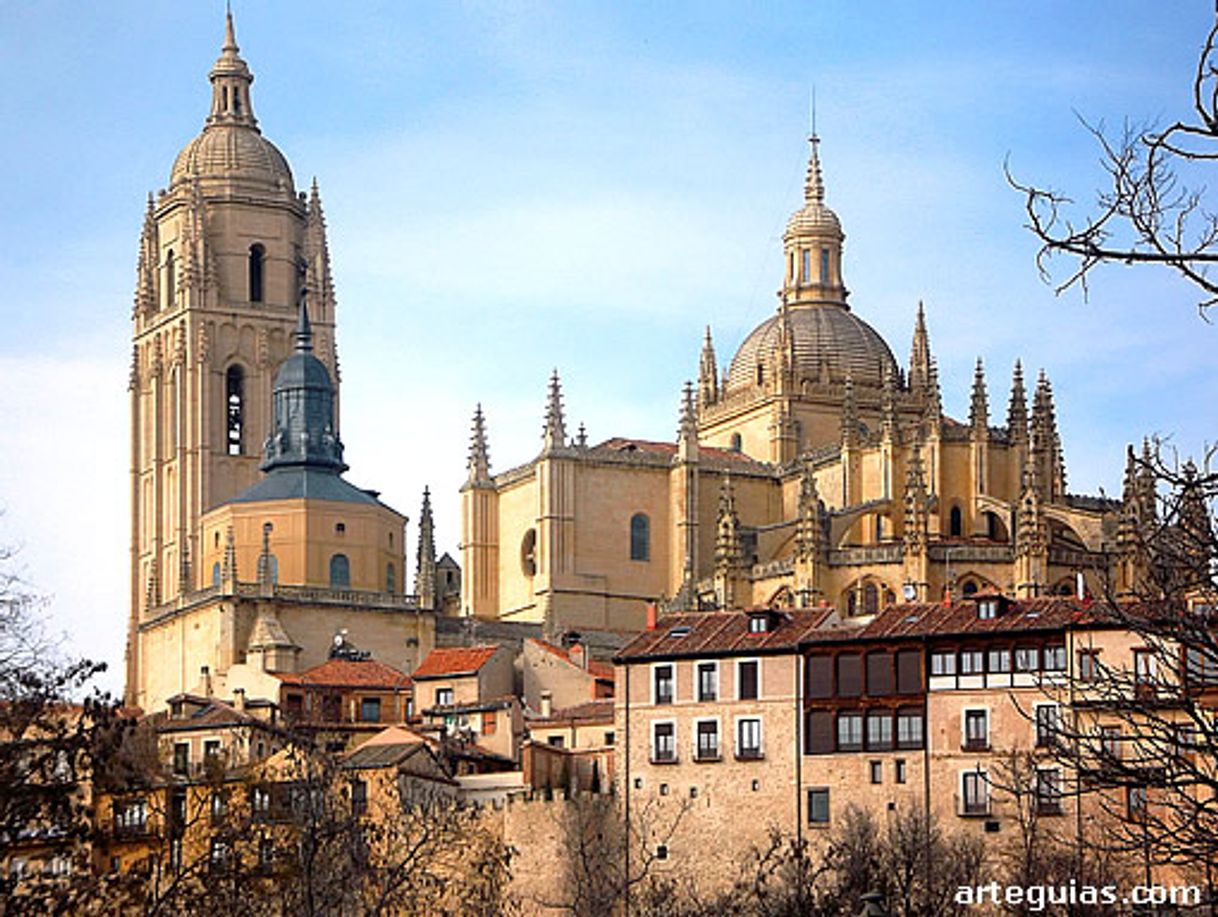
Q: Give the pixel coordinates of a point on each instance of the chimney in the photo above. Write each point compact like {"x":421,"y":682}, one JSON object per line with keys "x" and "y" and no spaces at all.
{"x":205,"y":674}
{"x":651,"y":615}
{"x":547,"y":704}
{"x":239,"y":699}
{"x":579,"y":655}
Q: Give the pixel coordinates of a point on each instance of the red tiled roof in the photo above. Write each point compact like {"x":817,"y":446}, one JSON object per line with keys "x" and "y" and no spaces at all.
{"x":724,"y":632}
{"x":454,"y":660}
{"x":1014,"y":616}
{"x":588,"y":712}
{"x":349,"y":673}
{"x":625,"y":444}
{"x":596,"y":668}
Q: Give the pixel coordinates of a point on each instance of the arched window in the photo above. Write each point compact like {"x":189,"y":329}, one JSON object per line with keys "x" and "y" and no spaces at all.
{"x":215,"y":573}
{"x":852,"y":603}
{"x":879,"y":529}
{"x":257,"y":257}
{"x":391,"y":579}
{"x":170,"y":279}
{"x":994,"y":527}
{"x":871,"y":599}
{"x":737,"y":442}
{"x":340,"y":572}
{"x":956,"y":522}
{"x":234,"y":393}
{"x":970,"y":588}
{"x":640,"y":537}
{"x":528,"y":553}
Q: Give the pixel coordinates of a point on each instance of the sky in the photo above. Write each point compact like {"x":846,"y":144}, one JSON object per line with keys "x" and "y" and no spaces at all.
{"x":512,"y":188}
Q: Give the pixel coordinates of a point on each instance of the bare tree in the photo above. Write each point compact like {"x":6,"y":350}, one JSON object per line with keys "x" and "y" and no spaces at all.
{"x":1155,"y":210}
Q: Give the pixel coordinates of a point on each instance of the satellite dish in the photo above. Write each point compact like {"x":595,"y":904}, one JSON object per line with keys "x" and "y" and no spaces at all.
{"x":909,"y":591}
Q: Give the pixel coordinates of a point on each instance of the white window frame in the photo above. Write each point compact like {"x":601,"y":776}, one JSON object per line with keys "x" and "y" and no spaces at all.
{"x":675,"y":739}
{"x":696,"y":694}
{"x":655,"y":666}
{"x":718,"y":737}
{"x":983,"y":778}
{"x":964,"y":742}
{"x":1057,"y":723}
{"x":760,"y":734}
{"x":741,"y":662}
{"x":950,"y":655}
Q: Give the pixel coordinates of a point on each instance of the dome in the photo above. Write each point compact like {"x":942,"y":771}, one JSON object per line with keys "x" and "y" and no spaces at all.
{"x":813,"y":218}
{"x":828,"y":337}
{"x":232,"y":151}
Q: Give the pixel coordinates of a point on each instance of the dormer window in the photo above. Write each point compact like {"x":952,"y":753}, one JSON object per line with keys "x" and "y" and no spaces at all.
{"x":987,"y":608}
{"x":760,"y":623}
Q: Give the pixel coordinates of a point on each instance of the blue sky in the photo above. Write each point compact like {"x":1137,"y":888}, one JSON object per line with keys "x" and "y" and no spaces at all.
{"x":514,"y":187}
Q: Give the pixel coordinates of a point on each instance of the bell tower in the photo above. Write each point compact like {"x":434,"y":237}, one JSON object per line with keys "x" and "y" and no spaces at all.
{"x":224,"y":253}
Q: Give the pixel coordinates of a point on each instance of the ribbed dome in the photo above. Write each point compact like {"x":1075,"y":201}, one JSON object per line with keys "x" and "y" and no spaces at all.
{"x":814,"y":217}
{"x":831,"y":337}
{"x":233,"y":151}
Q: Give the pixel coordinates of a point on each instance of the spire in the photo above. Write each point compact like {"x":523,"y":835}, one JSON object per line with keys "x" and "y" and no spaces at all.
{"x":919,"y":354}
{"x":229,"y":570}
{"x":728,"y":557}
{"x":146,"y":263}
{"x":934,"y":398}
{"x":1146,"y":483}
{"x":850,"y":415}
{"x":688,"y":428}
{"x":1048,"y":469}
{"x":979,"y":408}
{"x":317,"y":256}
{"x":1017,"y":409}
{"x":230,"y":80}
{"x":889,"y":427}
{"x":265,"y":571}
{"x":425,"y":561}
{"x":810,"y":530}
{"x":479,"y":455}
{"x":303,"y":335}
{"x":554,"y":434}
{"x":814,"y":182}
{"x":917,"y":519}
{"x":708,"y":373}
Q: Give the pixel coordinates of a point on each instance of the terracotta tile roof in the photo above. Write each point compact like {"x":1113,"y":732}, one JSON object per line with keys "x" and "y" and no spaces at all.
{"x":596,"y":668}
{"x":349,"y":673}
{"x":709,"y":633}
{"x":625,"y":444}
{"x":594,"y":711}
{"x":916,"y":620}
{"x":454,"y":660}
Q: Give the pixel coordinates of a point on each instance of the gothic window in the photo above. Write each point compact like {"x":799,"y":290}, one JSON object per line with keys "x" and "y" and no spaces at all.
{"x":956,"y":523}
{"x":824,"y":265}
{"x":640,"y":537}
{"x":528,"y":553}
{"x":170,"y":279}
{"x":257,"y":257}
{"x":340,"y":572}
{"x":234,"y":388}
{"x":272,"y":568}
{"x":871,"y":599}
{"x":391,"y":579}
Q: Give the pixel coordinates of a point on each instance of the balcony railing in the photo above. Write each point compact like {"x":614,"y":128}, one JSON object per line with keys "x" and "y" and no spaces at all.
{"x":663,"y":756}
{"x":708,"y":754}
{"x":973,"y":807}
{"x":749,"y":754}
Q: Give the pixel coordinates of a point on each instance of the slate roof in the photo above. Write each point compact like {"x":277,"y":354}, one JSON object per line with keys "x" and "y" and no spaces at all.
{"x":349,"y":673}
{"x":298,"y":482}
{"x":450,"y":661}
{"x":724,"y":633}
{"x":211,"y":713}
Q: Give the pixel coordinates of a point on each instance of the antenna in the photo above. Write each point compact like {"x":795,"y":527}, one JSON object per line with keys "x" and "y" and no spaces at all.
{"x":812,"y":110}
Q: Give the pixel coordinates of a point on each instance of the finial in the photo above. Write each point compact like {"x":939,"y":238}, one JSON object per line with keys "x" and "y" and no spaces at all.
{"x":304,"y":331}
{"x":479,"y":454}
{"x":979,"y":409}
{"x":812,"y":116}
{"x":230,"y":36}
{"x":554,"y":432}
{"x":688,"y":428}
{"x":814,"y":184}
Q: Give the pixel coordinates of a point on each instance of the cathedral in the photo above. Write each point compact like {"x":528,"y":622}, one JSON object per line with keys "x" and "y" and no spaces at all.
{"x":813,"y":470}
{"x":249,"y":555}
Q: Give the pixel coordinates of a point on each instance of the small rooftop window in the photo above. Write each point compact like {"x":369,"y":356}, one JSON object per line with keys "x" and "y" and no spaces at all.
{"x":679,"y":632}
{"x":987,"y":608}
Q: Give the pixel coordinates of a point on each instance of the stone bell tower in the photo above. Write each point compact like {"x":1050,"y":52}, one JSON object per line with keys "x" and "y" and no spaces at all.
{"x":224,"y":253}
